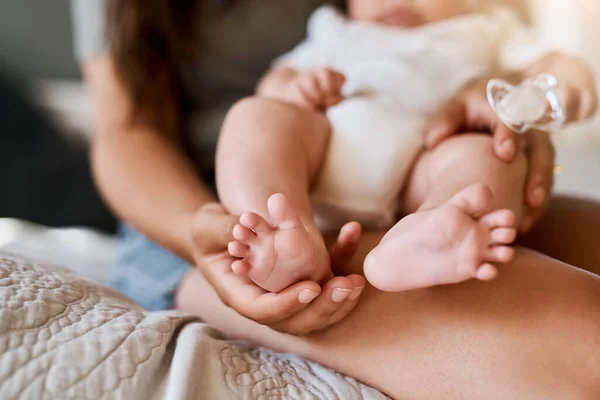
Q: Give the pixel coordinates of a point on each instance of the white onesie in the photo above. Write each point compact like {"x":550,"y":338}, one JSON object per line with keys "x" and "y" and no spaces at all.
{"x":395,"y":80}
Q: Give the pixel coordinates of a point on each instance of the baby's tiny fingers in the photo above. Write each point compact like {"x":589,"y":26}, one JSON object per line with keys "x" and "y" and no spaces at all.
{"x":309,"y":83}
{"x":338,"y":79}
{"x":571,"y":100}
{"x":330,"y":81}
{"x":333,"y":100}
{"x":307,"y":97}
{"x":588,"y":104}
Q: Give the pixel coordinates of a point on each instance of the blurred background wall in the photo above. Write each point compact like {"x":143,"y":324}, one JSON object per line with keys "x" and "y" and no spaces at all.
{"x":44,"y":168}
{"x":36,"y":39}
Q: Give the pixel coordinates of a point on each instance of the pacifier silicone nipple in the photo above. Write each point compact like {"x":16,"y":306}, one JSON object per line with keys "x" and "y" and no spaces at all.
{"x":535,"y":103}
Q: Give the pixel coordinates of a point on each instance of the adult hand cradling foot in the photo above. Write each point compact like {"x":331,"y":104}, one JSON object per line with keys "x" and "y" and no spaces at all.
{"x":299,"y":309}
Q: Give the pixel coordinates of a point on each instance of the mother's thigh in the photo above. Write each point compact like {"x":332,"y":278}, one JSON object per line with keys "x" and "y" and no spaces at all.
{"x":530,"y":334}
{"x":569,"y":232}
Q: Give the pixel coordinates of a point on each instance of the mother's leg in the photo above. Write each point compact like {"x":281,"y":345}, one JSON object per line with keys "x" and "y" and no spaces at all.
{"x":569,"y":232}
{"x":533,"y":333}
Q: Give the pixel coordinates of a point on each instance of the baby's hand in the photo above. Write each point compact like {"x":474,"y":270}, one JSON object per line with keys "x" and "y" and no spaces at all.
{"x":316,"y":90}
{"x":576,"y":85}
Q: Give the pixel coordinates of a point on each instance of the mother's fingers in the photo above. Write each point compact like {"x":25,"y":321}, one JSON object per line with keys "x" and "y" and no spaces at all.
{"x":271,"y":308}
{"x":255,"y":303}
{"x":345,"y":247}
{"x":540,"y":176}
{"x":541,"y":155}
{"x":358,"y":282}
{"x":318,"y":315}
{"x":213,"y":228}
{"x":506,"y":142}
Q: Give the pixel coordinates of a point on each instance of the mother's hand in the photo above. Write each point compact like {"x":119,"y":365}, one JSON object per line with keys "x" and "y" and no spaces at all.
{"x":299,"y":309}
{"x":469,"y":111}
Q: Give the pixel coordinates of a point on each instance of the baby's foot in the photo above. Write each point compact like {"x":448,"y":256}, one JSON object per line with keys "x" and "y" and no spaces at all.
{"x":449,"y":244}
{"x":275,"y":257}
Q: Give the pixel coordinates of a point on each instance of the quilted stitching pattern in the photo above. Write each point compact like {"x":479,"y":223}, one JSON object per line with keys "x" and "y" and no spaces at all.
{"x":261,"y":374}
{"x":64,"y":337}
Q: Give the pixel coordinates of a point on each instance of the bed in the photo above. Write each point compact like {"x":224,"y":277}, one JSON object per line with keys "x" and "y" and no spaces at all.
{"x":64,"y":334}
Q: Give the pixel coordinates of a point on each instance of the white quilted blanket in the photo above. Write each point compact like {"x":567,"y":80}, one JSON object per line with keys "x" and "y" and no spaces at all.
{"x":63,"y":337}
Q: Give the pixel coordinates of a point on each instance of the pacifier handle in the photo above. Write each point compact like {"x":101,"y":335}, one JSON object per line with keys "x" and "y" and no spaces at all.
{"x":540,"y":92}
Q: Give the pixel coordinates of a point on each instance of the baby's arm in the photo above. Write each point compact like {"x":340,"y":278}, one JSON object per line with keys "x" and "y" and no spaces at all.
{"x":313,"y":90}
{"x":576,"y":82}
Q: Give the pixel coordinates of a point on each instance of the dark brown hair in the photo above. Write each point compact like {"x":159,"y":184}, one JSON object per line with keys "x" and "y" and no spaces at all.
{"x":147,"y":40}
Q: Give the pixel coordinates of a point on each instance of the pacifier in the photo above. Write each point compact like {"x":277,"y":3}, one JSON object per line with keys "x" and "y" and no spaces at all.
{"x":535,"y":103}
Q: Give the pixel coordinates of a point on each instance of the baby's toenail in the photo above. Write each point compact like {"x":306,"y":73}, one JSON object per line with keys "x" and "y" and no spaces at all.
{"x":306,"y":296}
{"x":355,"y":293}
{"x":340,"y":294}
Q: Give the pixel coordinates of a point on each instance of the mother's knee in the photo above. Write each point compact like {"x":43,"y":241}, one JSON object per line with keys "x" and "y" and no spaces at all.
{"x":584,"y":335}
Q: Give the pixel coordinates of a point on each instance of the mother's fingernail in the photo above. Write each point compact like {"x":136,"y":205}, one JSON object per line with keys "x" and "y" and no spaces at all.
{"x":355,"y":293}
{"x":306,"y":296}
{"x":340,"y":294}
{"x":538,"y":196}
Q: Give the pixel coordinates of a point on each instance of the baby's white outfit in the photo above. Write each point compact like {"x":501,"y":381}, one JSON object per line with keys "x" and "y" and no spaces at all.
{"x":395,"y":81}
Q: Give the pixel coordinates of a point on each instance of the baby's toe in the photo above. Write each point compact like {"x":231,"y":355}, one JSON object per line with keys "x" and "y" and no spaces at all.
{"x":256,"y":223}
{"x":503,"y":235}
{"x":238,"y":249}
{"x":499,"y":219}
{"x":486,"y":272}
{"x":500,"y":254}
{"x":243,"y":234}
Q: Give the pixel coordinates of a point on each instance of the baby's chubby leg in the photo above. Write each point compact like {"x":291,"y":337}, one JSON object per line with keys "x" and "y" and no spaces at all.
{"x":465,"y":204}
{"x":460,"y":161}
{"x":268,"y":154}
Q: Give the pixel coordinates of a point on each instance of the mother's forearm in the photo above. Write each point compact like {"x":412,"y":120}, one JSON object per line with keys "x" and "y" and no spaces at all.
{"x":150,"y":184}
{"x":141,"y":172}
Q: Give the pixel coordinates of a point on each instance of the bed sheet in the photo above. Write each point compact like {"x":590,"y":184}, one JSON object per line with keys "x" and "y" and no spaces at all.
{"x":64,"y":336}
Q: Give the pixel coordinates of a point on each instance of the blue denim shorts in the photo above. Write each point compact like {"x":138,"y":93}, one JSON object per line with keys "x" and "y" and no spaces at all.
{"x":145,"y":272}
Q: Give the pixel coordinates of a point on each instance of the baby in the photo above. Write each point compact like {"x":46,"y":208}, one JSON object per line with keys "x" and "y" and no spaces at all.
{"x":378,"y":74}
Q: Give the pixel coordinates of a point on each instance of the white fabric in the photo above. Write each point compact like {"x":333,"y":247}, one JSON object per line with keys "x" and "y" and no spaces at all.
{"x":84,"y":251}
{"x":62,"y":337}
{"x":396,"y":79}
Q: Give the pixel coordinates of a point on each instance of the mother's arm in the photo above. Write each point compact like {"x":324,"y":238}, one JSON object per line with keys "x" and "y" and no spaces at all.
{"x":141,"y":172}
{"x":150,"y":183}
